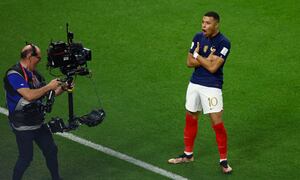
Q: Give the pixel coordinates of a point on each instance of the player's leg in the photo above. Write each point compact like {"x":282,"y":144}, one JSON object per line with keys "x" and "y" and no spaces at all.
{"x":190,"y":132}
{"x":25,"y":146}
{"x":221,"y":134}
{"x":191,"y":125}
{"x":46,"y":143}
{"x":221,"y":139}
{"x":212,"y":103}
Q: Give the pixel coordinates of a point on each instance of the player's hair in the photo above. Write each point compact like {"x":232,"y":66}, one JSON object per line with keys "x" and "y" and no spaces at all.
{"x":214,"y":15}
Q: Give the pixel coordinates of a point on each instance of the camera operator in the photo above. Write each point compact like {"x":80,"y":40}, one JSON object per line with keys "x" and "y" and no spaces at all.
{"x":25,"y":89}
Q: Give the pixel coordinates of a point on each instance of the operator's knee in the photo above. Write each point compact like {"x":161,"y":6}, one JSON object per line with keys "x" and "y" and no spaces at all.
{"x":51,"y":152}
{"x":23,"y":163}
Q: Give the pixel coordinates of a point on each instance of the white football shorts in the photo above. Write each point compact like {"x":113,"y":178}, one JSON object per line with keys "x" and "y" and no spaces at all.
{"x":202,"y":98}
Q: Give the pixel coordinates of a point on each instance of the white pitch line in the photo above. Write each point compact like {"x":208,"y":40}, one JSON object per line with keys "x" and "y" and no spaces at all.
{"x":122,"y":156}
{"x":3,"y":111}
{"x":114,"y":153}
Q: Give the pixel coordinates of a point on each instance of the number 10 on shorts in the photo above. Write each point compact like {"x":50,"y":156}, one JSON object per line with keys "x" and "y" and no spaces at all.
{"x":213,"y":101}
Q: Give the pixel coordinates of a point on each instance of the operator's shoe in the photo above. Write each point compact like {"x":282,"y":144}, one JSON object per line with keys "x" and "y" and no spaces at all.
{"x":226,"y":169}
{"x":182,"y":159}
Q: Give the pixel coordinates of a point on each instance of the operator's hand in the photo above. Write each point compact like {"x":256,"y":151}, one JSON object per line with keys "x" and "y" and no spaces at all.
{"x":54,"y":84}
{"x":70,"y":85}
{"x":66,"y":86}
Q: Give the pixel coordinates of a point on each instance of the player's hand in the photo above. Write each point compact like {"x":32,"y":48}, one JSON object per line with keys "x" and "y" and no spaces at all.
{"x":197,"y":48}
{"x":196,"y":51}
{"x":211,"y":56}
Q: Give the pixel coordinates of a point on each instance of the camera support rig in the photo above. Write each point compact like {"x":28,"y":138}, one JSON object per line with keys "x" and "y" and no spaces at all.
{"x":72,"y":122}
{"x":71,"y":59}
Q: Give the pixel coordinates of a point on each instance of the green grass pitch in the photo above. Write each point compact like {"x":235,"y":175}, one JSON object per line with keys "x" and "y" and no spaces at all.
{"x":139,"y":54}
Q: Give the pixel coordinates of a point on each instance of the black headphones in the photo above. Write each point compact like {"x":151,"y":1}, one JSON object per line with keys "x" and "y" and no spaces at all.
{"x":33,"y":51}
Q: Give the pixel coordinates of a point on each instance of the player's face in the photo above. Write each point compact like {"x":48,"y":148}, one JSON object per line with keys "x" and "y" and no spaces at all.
{"x":209,"y":26}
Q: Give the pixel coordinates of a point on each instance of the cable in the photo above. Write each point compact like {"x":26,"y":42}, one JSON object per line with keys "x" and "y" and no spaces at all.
{"x":95,"y":90}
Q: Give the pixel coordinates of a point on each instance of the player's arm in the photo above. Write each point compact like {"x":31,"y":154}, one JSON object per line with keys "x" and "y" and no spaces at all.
{"x":216,"y":57}
{"x":33,"y":94}
{"x":212,"y":63}
{"x":191,"y":61}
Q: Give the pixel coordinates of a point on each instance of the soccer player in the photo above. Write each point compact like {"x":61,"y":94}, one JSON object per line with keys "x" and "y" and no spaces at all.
{"x":207,"y":55}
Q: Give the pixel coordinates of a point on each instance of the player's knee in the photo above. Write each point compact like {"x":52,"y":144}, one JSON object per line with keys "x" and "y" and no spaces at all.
{"x":216,"y":118}
{"x":193,"y":114}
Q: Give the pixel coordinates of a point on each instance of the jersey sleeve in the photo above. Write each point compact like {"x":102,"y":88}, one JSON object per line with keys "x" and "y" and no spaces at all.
{"x":17,"y":81}
{"x":223,"y":49}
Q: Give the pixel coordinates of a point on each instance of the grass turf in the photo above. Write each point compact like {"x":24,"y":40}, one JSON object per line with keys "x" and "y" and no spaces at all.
{"x":139,"y":51}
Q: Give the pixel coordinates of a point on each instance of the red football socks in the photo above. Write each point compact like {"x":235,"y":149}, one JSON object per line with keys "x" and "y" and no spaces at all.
{"x":190,"y":132}
{"x":221,"y":138}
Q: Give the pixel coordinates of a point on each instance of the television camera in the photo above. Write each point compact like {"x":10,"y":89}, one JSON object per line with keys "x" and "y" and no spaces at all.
{"x":71,"y":58}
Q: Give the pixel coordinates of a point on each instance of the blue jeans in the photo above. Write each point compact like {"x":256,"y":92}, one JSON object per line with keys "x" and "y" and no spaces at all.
{"x":43,"y":138}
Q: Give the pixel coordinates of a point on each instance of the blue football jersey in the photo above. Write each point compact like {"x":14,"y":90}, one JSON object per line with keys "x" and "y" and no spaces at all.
{"x":201,"y":75}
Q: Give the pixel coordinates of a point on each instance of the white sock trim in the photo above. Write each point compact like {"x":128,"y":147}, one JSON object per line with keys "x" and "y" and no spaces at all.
{"x":223,"y":160}
{"x":188,"y":153}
